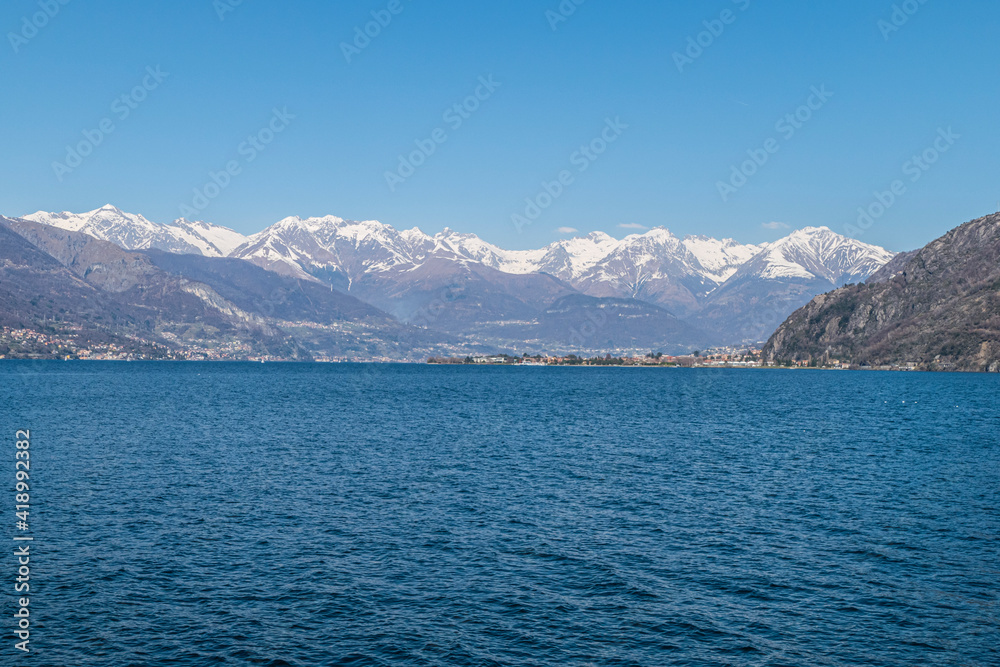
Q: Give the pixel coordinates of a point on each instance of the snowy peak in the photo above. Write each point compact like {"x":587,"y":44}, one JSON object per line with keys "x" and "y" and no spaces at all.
{"x":134,"y":232}
{"x":469,"y":246}
{"x":720,"y":259}
{"x":817,"y":252}
{"x":654,"y":266}
{"x":659,"y":255}
{"x":577,"y":255}
{"x":333,"y":245}
{"x":108,"y":223}
{"x":212,"y":240}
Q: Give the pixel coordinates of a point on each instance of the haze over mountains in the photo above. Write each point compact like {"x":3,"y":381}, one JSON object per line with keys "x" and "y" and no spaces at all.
{"x":651,"y":289}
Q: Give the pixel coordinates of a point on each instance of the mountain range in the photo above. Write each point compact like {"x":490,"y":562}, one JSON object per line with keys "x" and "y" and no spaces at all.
{"x":595,"y":292}
{"x":72,"y":285}
{"x":937,"y":308}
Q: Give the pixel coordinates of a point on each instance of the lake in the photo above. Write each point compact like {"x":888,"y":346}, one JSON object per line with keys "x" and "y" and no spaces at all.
{"x":310,"y":514}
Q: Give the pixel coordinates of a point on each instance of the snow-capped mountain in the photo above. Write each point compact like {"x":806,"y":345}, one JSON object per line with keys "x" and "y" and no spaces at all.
{"x":737,"y":291}
{"x":334,"y":247}
{"x":719,"y":260}
{"x":134,"y":232}
{"x":661,"y":268}
{"x":596,"y":262}
{"x":720,"y":284}
{"x":211,"y":240}
{"x":782,"y":277}
{"x":816,"y":252}
{"x":567,"y":259}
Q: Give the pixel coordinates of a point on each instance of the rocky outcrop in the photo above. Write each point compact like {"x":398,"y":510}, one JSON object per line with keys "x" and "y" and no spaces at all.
{"x":940,"y":310}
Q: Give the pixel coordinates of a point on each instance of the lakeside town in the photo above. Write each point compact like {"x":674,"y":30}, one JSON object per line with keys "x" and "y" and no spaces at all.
{"x":722,"y":357}
{"x":715,"y":358}
{"x":71,"y":343}
{"x":74,"y":344}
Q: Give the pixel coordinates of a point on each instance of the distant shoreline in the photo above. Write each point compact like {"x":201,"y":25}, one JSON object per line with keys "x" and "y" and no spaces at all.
{"x":424,"y":363}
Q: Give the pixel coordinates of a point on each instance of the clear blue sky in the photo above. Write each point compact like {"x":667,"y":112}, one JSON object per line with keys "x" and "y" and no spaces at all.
{"x":557,"y":86}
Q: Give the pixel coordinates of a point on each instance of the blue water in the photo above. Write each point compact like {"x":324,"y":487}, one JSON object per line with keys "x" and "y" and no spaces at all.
{"x":248,"y":514}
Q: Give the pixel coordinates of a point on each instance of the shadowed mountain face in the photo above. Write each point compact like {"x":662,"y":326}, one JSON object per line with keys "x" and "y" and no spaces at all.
{"x":350,"y":326}
{"x":39,"y":294}
{"x":745,"y":311}
{"x":257,"y":290}
{"x":34,"y":287}
{"x":459,"y":296}
{"x":940,"y":309}
{"x":161,"y":307}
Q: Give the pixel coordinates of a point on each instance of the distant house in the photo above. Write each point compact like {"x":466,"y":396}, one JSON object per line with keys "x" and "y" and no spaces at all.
{"x":487,"y":360}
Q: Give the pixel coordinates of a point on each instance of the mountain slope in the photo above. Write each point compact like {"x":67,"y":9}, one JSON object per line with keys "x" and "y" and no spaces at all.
{"x":257,"y":290}
{"x":411,"y":275}
{"x":39,"y":294}
{"x":656,"y":266}
{"x":132,"y":280}
{"x":35,"y":287}
{"x":940,"y":310}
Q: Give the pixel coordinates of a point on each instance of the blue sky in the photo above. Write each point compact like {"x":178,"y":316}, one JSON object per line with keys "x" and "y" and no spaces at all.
{"x":890,"y":91}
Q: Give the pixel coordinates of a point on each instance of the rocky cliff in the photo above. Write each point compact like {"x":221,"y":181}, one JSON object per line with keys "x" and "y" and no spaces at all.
{"x":939,"y":310}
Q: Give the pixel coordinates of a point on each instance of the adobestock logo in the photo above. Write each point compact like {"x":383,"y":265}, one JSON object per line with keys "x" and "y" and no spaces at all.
{"x":562,"y":13}
{"x":223,"y":7}
{"x":901,"y":15}
{"x":699,"y":43}
{"x":363,"y":35}
{"x":578,"y":337}
{"x":30,"y":25}
{"x":427,"y":315}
